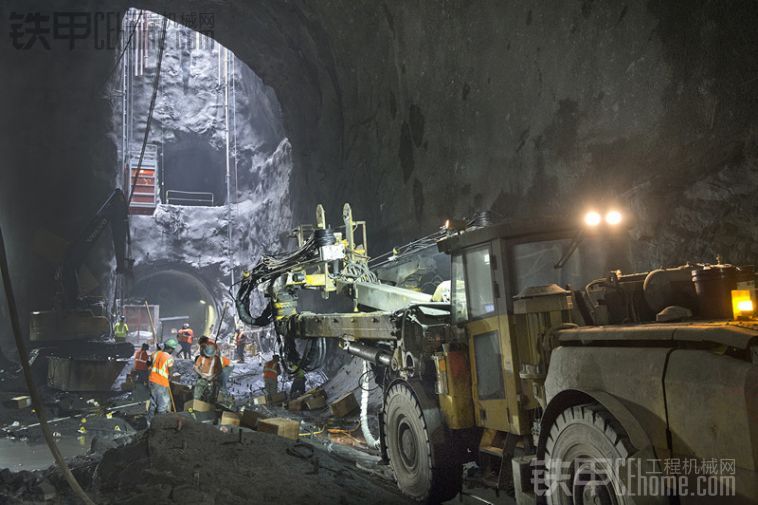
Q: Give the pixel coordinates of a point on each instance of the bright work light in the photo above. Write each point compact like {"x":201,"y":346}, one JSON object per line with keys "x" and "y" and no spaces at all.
{"x":592,"y":218}
{"x":613,"y":217}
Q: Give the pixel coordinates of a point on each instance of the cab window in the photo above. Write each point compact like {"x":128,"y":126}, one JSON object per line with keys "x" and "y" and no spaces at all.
{"x":481,"y":299}
{"x":458,"y":290}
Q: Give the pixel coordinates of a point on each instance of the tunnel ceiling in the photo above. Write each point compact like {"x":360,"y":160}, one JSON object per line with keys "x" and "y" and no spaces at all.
{"x":418,"y":111}
{"x":415,"y":111}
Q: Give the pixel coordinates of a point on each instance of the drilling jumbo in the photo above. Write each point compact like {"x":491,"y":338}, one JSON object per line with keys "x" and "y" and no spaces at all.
{"x":532,"y":368}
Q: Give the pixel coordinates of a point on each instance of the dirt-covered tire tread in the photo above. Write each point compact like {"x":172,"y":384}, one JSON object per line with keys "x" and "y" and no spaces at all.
{"x":445,"y":482}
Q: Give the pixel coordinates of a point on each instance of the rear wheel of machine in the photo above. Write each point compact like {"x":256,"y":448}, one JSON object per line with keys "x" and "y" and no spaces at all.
{"x":581,"y":453}
{"x":410,"y":451}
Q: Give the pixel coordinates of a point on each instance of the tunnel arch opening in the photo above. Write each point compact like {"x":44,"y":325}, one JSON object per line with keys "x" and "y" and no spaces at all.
{"x":181,"y":296}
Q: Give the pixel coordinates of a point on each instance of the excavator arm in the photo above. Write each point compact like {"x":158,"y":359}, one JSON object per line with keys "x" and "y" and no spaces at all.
{"x":114,"y":212}
{"x":70,"y":321}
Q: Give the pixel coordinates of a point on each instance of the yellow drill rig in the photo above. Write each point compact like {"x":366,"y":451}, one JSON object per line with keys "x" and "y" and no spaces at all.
{"x":563,"y":385}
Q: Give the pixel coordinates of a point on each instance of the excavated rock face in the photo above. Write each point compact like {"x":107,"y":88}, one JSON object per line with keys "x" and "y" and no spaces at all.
{"x":215,"y":243}
{"x":419,"y":111}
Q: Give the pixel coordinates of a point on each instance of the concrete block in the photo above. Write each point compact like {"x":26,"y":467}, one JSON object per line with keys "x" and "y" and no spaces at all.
{"x":344,"y":405}
{"x":312,"y":400}
{"x":286,"y":428}
{"x":19,"y":402}
{"x":315,"y":402}
{"x":229,"y":419}
{"x":197,"y":406}
{"x":250,"y":418}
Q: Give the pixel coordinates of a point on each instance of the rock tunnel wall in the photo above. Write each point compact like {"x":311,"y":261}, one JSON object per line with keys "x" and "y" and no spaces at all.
{"x":189,"y":129}
{"x":415,"y":111}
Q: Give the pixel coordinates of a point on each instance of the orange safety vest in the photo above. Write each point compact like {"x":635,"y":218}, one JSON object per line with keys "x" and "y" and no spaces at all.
{"x":185,"y":335}
{"x":140,"y":360}
{"x":206,"y":366}
{"x":162,"y":361}
{"x":225,"y":362}
{"x":270,"y":370}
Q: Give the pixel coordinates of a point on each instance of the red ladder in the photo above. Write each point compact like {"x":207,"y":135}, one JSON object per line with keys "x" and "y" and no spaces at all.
{"x":144,"y":200}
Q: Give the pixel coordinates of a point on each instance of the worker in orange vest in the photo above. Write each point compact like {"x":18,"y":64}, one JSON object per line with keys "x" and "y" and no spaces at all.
{"x":271,"y":372}
{"x":141,"y":360}
{"x":208,"y":368}
{"x":160,"y":372}
{"x":185,"y":336}
{"x":240,"y":340}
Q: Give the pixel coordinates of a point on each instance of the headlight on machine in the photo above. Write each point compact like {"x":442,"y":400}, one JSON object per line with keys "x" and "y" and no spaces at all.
{"x":613,"y":217}
{"x":743,"y":303}
{"x":593,"y":218}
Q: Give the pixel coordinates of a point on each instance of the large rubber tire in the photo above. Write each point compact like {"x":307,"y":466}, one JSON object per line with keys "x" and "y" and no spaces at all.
{"x":422,"y":475}
{"x":583,"y":445}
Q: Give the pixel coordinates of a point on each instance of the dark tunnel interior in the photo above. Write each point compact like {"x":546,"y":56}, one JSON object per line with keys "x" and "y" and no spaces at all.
{"x":479,"y":136}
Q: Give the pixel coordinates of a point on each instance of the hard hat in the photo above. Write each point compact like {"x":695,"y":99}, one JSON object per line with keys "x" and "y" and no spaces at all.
{"x":185,"y":325}
{"x":121,"y":318}
{"x":209,"y":350}
{"x":172,"y":343}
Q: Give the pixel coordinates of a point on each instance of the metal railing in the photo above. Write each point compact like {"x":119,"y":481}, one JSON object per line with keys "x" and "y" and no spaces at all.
{"x":190,"y":198}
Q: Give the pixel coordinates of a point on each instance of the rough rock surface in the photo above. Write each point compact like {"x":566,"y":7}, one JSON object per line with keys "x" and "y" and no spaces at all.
{"x":200,"y":464}
{"x":189,"y":129}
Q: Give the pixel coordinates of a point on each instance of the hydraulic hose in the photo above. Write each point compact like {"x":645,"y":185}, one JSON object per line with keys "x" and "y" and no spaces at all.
{"x":372,"y":442}
{"x":36,"y":400}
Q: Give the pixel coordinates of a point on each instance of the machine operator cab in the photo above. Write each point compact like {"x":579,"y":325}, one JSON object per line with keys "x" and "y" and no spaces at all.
{"x":509,"y":282}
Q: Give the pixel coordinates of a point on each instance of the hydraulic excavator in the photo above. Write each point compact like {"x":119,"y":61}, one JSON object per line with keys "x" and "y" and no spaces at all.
{"x":537,"y":364}
{"x":73,"y":318}
{"x":76,"y":326}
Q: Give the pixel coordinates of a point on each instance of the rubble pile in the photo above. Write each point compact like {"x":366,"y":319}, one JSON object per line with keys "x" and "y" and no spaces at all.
{"x":181,"y":461}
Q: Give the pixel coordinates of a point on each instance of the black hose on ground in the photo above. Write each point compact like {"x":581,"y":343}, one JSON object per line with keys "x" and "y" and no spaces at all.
{"x":36,"y":400}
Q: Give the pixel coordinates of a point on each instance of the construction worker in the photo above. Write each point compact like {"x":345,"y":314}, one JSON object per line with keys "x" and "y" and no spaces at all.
{"x":141,"y":360}
{"x":160,"y":371}
{"x":208,"y":369}
{"x":271,"y":372}
{"x":185,"y":336}
{"x":224,"y":396}
{"x":297,"y":388}
{"x":240,"y":341}
{"x":201,"y":343}
{"x":120,"y":330}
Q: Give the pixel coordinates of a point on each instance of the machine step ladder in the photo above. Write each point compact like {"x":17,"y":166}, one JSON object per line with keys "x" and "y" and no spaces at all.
{"x":145,"y":199}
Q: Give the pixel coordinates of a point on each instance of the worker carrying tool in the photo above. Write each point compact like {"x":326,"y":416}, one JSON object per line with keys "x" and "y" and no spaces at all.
{"x":120,"y":329}
{"x":185,"y":336}
{"x":240,"y":341}
{"x":141,"y":364}
{"x":271,"y":371}
{"x":297,"y":388}
{"x":160,"y":371}
{"x":208,"y":368}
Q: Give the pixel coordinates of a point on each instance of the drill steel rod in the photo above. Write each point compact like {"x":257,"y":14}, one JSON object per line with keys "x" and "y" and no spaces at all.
{"x":36,"y":400}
